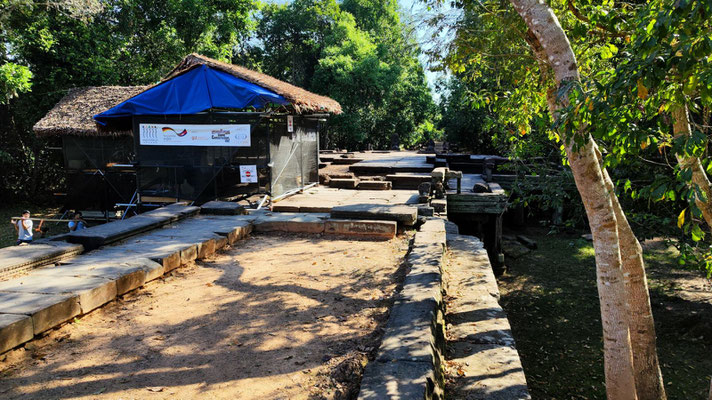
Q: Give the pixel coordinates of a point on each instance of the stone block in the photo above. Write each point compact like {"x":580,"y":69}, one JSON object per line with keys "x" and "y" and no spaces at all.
{"x":405,"y":215}
{"x":220,"y":243}
{"x":361,"y":228}
{"x":92,"y":291}
{"x":343,"y":183}
{"x":493,"y":372}
{"x":375,"y":185}
{"x":206,"y":248}
{"x":439,"y":173}
{"x":14,"y":331}
{"x":399,"y":381}
{"x":221,"y":208}
{"x":189,"y":254}
{"x":170,"y":261}
{"x":287,"y":222}
{"x":425,"y":211}
{"x":453,"y":174}
{"x":440,"y":205}
{"x":46,"y":310}
{"x":131,"y":280}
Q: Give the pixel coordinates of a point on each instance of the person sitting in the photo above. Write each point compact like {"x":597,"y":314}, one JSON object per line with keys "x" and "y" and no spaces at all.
{"x":23,"y":227}
{"x":77,"y":223}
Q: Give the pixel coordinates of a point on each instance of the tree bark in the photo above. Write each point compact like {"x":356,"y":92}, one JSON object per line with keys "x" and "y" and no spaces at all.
{"x":618,"y":357}
{"x":681,"y":127}
{"x":648,"y":377}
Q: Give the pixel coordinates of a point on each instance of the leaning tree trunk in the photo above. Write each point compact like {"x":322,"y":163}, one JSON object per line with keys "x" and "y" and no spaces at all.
{"x":648,"y":377}
{"x":618,"y":357}
{"x":681,"y":127}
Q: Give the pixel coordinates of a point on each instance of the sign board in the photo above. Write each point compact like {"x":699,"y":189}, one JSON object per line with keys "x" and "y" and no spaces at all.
{"x":290,"y":123}
{"x":194,"y":135}
{"x":248,"y":173}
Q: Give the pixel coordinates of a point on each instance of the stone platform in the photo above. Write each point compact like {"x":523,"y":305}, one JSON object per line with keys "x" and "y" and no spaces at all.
{"x":16,"y":259}
{"x":323,"y":199}
{"x":391,"y":163}
{"x":47,"y":297}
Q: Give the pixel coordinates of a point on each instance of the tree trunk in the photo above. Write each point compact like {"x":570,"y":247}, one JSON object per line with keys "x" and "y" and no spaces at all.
{"x":648,"y":377}
{"x":681,"y":127}
{"x":618,"y":357}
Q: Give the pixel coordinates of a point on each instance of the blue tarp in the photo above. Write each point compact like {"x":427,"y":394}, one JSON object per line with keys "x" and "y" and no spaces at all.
{"x":197,"y":90}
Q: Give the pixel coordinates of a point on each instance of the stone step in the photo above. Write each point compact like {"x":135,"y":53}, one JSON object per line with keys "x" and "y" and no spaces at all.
{"x":408,"y":181}
{"x":222,"y":208}
{"x":343,"y":183}
{"x":361,"y":228}
{"x":375,"y":185}
{"x":405,"y":215}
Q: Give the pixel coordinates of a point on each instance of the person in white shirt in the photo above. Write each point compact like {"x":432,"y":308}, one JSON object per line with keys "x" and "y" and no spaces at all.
{"x":24,"y":228}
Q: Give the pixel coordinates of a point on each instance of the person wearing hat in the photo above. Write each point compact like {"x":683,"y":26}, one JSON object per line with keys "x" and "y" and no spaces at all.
{"x":23,"y":227}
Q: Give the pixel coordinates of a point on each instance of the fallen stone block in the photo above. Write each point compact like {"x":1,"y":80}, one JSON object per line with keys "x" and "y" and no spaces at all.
{"x":14,"y":331}
{"x":46,"y":310}
{"x":374,"y":185}
{"x":221,"y":208}
{"x":343,"y":183}
{"x":405,"y":215}
{"x":361,"y":228}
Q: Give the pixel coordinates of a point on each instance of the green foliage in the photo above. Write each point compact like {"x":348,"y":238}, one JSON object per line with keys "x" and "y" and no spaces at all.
{"x":14,"y":79}
{"x":125,"y":42}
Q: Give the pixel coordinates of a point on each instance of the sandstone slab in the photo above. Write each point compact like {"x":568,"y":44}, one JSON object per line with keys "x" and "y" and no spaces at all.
{"x":14,"y":331}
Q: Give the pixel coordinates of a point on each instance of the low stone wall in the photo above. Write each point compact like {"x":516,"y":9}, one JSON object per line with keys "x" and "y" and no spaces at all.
{"x":408,"y":364}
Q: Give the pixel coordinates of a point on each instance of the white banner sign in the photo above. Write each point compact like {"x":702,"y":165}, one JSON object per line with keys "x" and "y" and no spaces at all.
{"x":194,"y":135}
{"x":248,"y":173}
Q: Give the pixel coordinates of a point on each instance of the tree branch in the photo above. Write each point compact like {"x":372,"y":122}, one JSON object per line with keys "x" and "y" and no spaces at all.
{"x":577,"y":13}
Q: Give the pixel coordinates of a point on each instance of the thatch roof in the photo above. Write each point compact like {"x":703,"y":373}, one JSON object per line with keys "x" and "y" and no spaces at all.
{"x":302,"y":100}
{"x":73,"y":114}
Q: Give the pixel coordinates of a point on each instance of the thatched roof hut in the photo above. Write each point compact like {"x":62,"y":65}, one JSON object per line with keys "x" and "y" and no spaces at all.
{"x":73,"y":114}
{"x":302,"y":100}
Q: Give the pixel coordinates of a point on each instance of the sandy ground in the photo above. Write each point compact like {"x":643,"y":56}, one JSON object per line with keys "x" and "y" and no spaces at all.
{"x":277,"y":317}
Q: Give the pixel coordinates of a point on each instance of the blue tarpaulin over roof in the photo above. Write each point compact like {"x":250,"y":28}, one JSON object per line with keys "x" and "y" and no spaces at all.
{"x":197,"y":90}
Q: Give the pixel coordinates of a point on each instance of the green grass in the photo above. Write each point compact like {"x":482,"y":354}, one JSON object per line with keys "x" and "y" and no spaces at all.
{"x":8,"y":236}
{"x":551,"y":299}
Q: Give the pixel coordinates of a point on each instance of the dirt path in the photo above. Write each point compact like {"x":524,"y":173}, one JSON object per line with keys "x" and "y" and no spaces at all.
{"x":278,"y":317}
